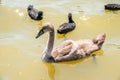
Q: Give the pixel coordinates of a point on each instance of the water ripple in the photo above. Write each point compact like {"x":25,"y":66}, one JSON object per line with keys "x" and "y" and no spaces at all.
{"x":7,"y":38}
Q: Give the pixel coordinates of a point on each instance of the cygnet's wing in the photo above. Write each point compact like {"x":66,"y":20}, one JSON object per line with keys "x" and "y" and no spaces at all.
{"x":66,"y":27}
{"x":63,"y":49}
{"x":33,"y":13}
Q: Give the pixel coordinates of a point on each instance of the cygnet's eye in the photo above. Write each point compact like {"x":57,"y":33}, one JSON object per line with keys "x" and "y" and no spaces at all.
{"x":42,"y":30}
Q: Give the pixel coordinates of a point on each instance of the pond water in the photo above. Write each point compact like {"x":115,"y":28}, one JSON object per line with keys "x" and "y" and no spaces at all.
{"x":20,"y":52}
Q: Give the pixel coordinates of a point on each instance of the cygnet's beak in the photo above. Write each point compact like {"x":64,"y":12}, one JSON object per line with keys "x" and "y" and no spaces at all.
{"x":40,"y":33}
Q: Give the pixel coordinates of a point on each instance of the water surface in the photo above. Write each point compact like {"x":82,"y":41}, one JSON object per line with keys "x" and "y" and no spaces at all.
{"x":20,"y":52}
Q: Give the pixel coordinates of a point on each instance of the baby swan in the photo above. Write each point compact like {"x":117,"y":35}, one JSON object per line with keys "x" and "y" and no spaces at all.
{"x":112,"y":6}
{"x":34,"y":13}
{"x":69,"y":49}
{"x":67,"y":27}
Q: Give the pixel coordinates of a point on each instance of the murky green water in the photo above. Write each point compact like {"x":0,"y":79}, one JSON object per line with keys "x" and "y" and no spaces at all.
{"x":20,"y":52}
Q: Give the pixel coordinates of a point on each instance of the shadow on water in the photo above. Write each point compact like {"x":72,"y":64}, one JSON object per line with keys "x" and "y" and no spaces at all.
{"x":113,"y":11}
{"x":40,"y":24}
{"x":51,"y":70}
{"x":65,"y":36}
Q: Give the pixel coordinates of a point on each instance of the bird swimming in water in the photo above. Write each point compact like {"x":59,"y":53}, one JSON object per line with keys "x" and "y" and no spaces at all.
{"x":112,"y":6}
{"x":67,"y":27}
{"x":34,"y":13}
{"x":68,"y":50}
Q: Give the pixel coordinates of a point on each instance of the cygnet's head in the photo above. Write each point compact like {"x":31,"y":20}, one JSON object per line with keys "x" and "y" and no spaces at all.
{"x":69,"y":15}
{"x":47,"y":27}
{"x":30,"y":7}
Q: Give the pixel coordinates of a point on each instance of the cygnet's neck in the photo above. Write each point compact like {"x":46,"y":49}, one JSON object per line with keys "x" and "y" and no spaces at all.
{"x":70,"y":19}
{"x":47,"y":57}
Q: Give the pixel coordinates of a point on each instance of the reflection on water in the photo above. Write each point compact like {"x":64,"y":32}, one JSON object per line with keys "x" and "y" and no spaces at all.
{"x":20,"y":52}
{"x":51,"y":70}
